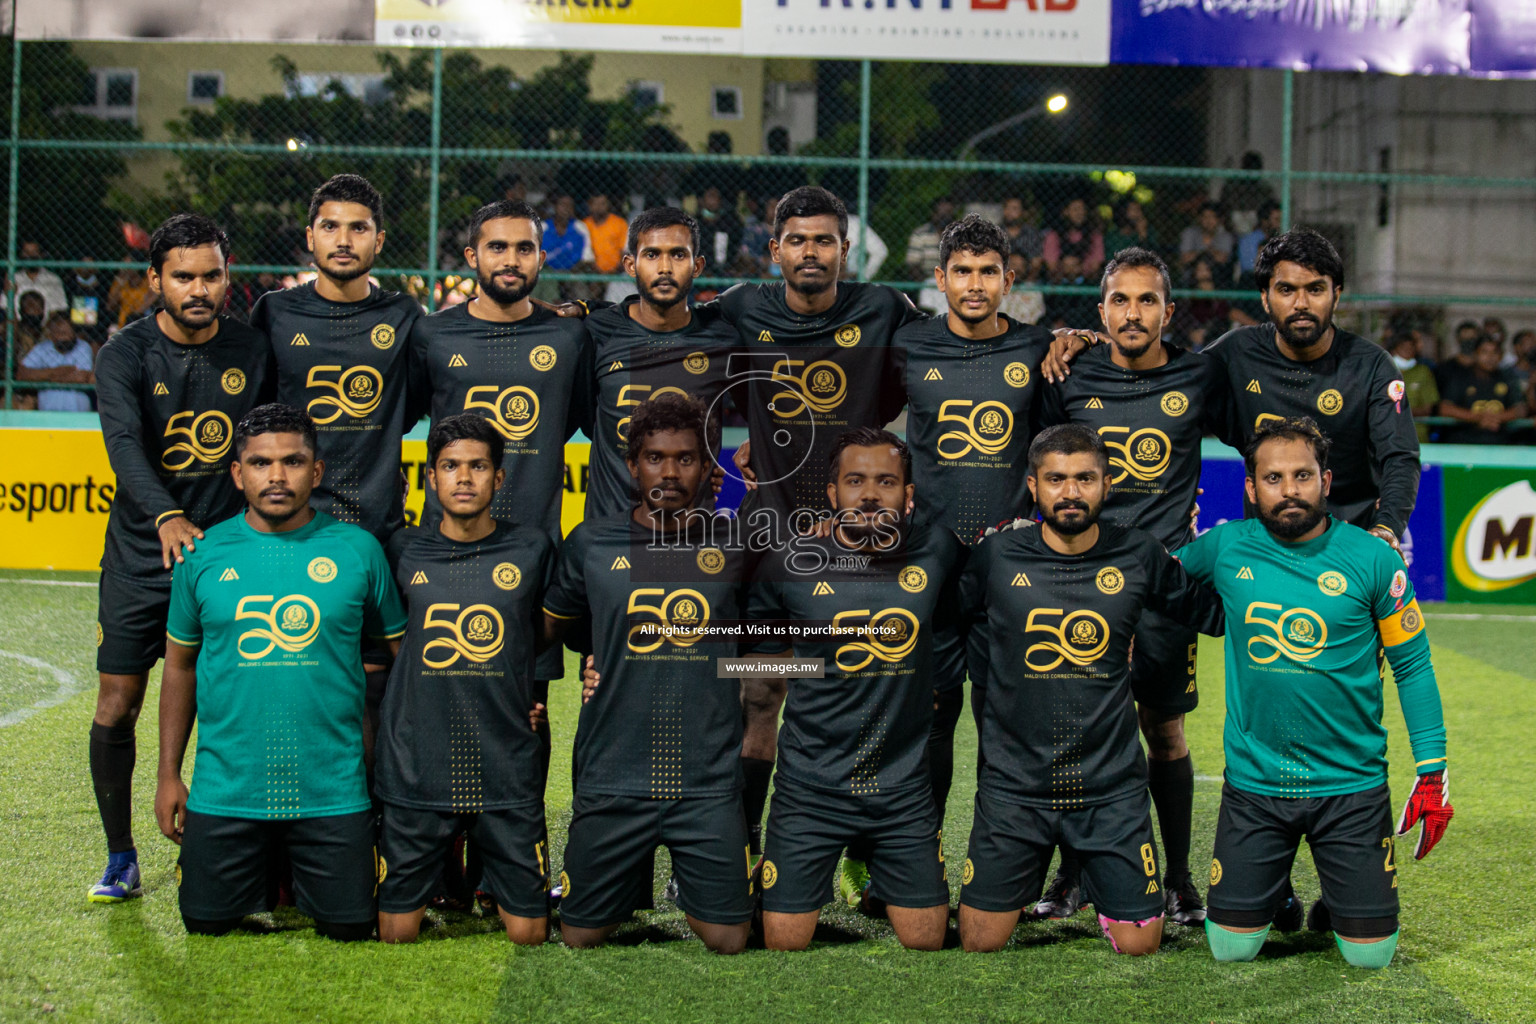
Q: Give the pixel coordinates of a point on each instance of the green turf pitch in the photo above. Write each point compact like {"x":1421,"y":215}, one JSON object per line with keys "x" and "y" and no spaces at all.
{"x":1468,"y":948}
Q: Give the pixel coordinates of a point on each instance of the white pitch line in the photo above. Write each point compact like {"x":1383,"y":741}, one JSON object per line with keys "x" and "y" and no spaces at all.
{"x":1479,"y":616}
{"x":68,"y":687}
{"x":53,"y":583}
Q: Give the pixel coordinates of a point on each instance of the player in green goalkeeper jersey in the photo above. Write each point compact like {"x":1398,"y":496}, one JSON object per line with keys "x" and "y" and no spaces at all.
{"x":1311,"y":602}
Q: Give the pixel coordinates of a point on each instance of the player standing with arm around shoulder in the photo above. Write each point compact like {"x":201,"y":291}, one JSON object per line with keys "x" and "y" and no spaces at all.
{"x":170,"y":388}
{"x":266,"y":624}
{"x":456,"y":751}
{"x":657,"y":746}
{"x":1061,"y":762}
{"x":1310,"y":601}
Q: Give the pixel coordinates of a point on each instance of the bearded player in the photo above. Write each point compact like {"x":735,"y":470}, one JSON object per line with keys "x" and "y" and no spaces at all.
{"x":1310,"y":601}
{"x":170,"y":388}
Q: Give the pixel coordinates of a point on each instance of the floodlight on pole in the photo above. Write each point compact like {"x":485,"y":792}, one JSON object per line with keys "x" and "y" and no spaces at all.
{"x":1054,"y":105}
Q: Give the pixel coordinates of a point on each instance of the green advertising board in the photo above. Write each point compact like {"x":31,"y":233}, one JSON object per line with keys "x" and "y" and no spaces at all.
{"x":1490,"y":525}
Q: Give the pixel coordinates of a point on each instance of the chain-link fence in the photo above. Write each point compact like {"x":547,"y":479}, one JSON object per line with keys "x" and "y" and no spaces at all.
{"x":1427,"y":185}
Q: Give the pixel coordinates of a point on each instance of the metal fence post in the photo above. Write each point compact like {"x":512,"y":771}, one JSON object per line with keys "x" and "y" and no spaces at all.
{"x":10,"y":221}
{"x":1287,"y":124}
{"x":864,"y":76}
{"x":434,"y":197}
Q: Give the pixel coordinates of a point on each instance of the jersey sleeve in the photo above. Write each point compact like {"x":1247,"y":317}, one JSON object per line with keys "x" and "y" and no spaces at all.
{"x":384,"y":615}
{"x":948,"y":613}
{"x":1179,"y":595}
{"x":1050,"y":405}
{"x":565,"y":597}
{"x":582,"y":412}
{"x":971,"y":594}
{"x":1400,"y":623}
{"x":765,"y":603}
{"x":1199,"y":556}
{"x":183,"y":623}
{"x":122,"y":429}
{"x":418,"y":384}
{"x":1393,"y":446}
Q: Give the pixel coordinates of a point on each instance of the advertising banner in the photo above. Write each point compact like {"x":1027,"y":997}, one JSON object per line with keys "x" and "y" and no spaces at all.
{"x":1490,"y":518}
{"x":1011,"y":31}
{"x":667,"y":26}
{"x":1397,"y":36}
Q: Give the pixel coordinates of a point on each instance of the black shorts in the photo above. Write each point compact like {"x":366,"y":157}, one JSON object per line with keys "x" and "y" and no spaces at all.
{"x":1352,"y":846}
{"x":130,"y":623}
{"x":1011,"y":846}
{"x":898,"y":834}
{"x":223,"y":874}
{"x":609,"y":857}
{"x":513,"y":845}
{"x":1163,"y":665}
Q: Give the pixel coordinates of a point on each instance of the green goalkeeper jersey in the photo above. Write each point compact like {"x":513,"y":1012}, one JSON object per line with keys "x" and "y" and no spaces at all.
{"x":1305,"y":623}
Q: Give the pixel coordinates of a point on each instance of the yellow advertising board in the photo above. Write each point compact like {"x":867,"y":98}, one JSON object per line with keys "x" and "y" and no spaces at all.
{"x":677,"y":26}
{"x":56,"y":488}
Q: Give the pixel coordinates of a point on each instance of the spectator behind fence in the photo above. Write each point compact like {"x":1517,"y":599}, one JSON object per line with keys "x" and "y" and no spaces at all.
{"x":608,"y":233}
{"x":1419,"y":388}
{"x":1468,"y":334}
{"x":720,"y":230}
{"x":873,"y":244}
{"x":566,"y":242}
{"x":41,"y":280}
{"x":1024,"y":235}
{"x":87,"y":290}
{"x":1206,"y":237}
{"x":30,"y":318}
{"x":244,"y":293}
{"x":1525,"y":355}
{"x":1248,"y":246}
{"x":923,"y":242}
{"x":129,"y":297}
{"x":1202,"y":320}
{"x":1244,"y":197}
{"x":64,"y":358}
{"x":1482,"y":398}
{"x":1074,"y":235}
{"x":1131,"y":229}
{"x":1025,"y":302}
{"x":757,"y":231}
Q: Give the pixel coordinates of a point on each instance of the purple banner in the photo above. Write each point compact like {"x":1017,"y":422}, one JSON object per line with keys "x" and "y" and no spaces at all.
{"x":1503,"y":36}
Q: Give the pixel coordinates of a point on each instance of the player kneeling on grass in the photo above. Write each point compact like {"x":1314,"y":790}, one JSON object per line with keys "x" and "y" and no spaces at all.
{"x":853,"y":750}
{"x":457,"y":750}
{"x":1311,"y":603}
{"x":266,"y":622}
{"x":657,"y":745}
{"x":1061,"y":762}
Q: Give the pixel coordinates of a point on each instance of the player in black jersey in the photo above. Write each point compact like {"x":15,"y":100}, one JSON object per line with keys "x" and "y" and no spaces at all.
{"x":1061,"y":764}
{"x":170,"y":388}
{"x":853,"y":758}
{"x":1303,"y":364}
{"x":971,"y":379}
{"x":657,"y":745}
{"x":652,"y":344}
{"x":521,"y":367}
{"x":456,"y":750}
{"x":343,"y":352}
{"x":1151,"y":404}
{"x":815,"y":361}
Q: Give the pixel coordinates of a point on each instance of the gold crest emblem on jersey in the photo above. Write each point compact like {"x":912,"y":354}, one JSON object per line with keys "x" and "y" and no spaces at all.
{"x":770,"y":874}
{"x":99,"y":635}
{"x":1110,"y":580}
{"x":1175,"y":403}
{"x":206,"y":438}
{"x":847,"y":336}
{"x":542,"y":358}
{"x":565,"y":885}
{"x":1080,"y":637}
{"x":290,"y":623}
{"x":514,"y":412}
{"x":1142,"y":455}
{"x":986,"y":427}
{"x":711,"y":560}
{"x":474,"y":634}
{"x":820,"y":387}
{"x":507,"y":576}
{"x":1330,"y":402}
{"x":684,"y":612}
{"x":1215,"y":871}
{"x":889,"y":634}
{"x":1016,"y":374}
{"x":1299,"y":634}
{"x":968,"y":873}
{"x":233,"y":381}
{"x":1332,"y":583}
{"x":382,"y":336}
{"x":913,"y":579}
{"x":696,"y":362}
{"x":355,"y":392}
{"x":322,"y":570}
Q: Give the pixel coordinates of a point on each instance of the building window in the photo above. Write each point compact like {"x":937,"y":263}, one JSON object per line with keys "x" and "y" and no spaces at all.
{"x":369,"y":88}
{"x":647,"y":94}
{"x":204,"y":86}
{"x":725,"y":103}
{"x":111,"y":93}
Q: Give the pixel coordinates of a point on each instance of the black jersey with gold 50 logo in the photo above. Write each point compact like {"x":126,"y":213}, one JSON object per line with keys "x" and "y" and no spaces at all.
{"x":1059,"y":727}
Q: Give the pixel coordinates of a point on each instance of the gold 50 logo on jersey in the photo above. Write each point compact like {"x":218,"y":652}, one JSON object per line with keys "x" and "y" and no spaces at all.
{"x":476,"y":633}
{"x":986,"y":427}
{"x":891,"y":636}
{"x":1143,"y":454}
{"x":1080,"y":638}
{"x":206,"y":436}
{"x":514,"y":412}
{"x":679,"y":619}
{"x":631,"y":395}
{"x":1299,"y":634}
{"x":290,"y":623}
{"x":355,"y":392}
{"x":821,"y":387}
